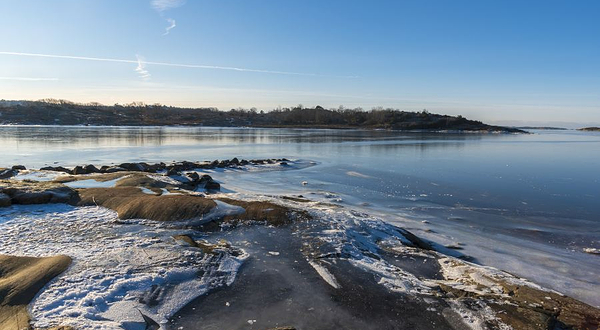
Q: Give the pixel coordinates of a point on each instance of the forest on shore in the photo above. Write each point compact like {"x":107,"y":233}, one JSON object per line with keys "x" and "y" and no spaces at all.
{"x":62,"y":112}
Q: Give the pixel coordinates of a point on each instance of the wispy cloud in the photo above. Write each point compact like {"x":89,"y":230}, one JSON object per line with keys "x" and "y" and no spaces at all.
{"x":171,"y":26}
{"x":162,"y":5}
{"x":28,"y":79}
{"x":141,"y":68}
{"x":178,"y":65}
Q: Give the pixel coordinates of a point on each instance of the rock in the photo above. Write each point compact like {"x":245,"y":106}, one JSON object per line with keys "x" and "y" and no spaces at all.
{"x":235,"y":161}
{"x":283,"y":163}
{"x":132,"y":203}
{"x":56,"y":169}
{"x":8,"y":173}
{"x":186,"y":239}
{"x":212,"y":185}
{"x":114,"y":169}
{"x":23,"y":192}
{"x":91,"y":169}
{"x":156,"y":167}
{"x":205,"y":178}
{"x":21,"y":278}
{"x":4,"y":200}
{"x":19,"y":167}
{"x":188,"y":165}
{"x":135,"y":167}
{"x":78,"y":170}
{"x":173,"y":172}
{"x":194,"y":176}
{"x":32,"y":197}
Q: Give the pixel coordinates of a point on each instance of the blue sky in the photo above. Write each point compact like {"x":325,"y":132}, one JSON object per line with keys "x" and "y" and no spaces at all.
{"x":499,"y":61}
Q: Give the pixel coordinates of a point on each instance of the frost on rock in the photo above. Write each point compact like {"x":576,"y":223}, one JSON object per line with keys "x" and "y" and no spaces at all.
{"x":358,"y":238}
{"x":118,"y":271}
{"x":481,"y":280}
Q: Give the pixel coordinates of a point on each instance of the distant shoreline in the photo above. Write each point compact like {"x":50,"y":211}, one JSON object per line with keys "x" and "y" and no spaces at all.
{"x":590,"y":129}
{"x":60,"y":112}
{"x":299,"y":127}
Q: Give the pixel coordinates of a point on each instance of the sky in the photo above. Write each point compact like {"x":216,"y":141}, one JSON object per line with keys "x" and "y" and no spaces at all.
{"x":510,"y":62}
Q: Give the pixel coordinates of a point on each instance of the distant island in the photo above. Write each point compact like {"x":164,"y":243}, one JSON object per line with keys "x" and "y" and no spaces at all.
{"x":590,"y":129}
{"x":62,"y":112}
{"x":543,"y":127}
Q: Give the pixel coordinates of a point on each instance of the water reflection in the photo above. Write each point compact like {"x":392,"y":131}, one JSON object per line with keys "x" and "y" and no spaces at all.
{"x":36,"y":136}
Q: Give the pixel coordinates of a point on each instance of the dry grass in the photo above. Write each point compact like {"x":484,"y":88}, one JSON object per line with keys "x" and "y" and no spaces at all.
{"x":20,"y":280}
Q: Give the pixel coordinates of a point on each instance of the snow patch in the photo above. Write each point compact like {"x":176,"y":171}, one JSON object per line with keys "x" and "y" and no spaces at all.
{"x":325,"y":274}
{"x":116,"y":269}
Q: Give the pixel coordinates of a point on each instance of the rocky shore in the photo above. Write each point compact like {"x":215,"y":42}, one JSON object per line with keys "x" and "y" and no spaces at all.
{"x":251,"y":262}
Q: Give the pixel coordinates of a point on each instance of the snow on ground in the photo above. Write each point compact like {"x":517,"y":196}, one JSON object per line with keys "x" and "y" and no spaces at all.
{"x":115,"y":266}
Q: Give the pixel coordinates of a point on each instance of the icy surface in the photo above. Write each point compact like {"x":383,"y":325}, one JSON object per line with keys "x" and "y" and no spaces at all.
{"x":91,"y":183}
{"x":325,"y":274}
{"x":116,"y":268}
{"x":34,"y":175}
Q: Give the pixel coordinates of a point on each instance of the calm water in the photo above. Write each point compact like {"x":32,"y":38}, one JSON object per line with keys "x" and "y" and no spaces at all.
{"x":528,"y":204}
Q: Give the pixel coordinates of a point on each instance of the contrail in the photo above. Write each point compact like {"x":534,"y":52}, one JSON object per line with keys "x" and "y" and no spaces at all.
{"x":192,"y":66}
{"x":141,"y":68}
{"x":170,"y":27}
